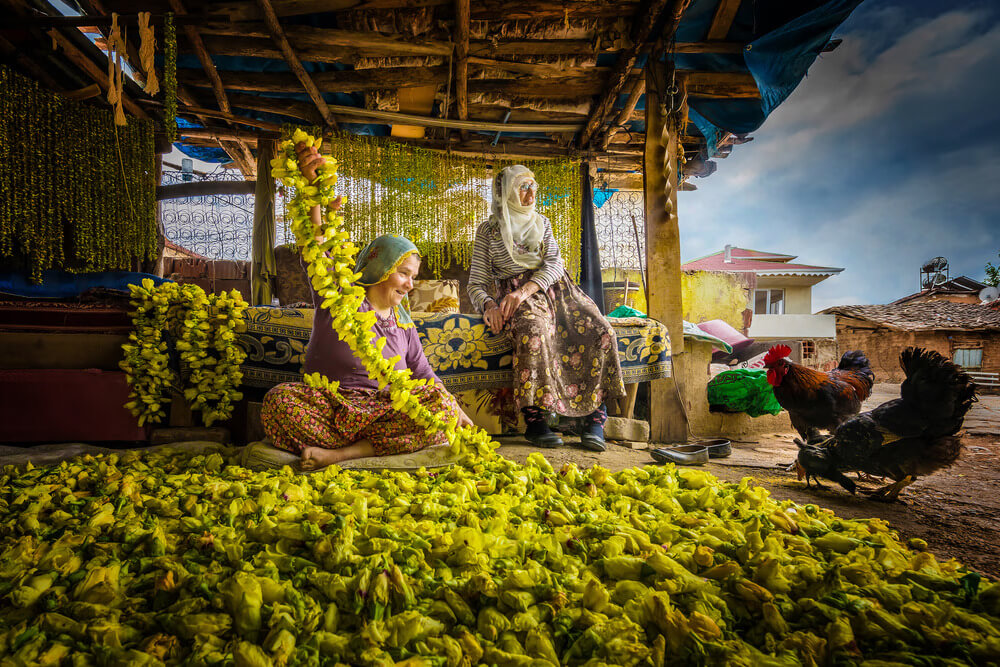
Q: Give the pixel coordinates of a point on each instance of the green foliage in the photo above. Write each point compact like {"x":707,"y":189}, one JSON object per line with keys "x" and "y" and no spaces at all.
{"x":993,"y":274}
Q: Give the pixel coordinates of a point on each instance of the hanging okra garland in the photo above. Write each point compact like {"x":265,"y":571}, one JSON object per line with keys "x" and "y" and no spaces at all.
{"x":437,"y":199}
{"x":76,"y":193}
{"x":170,"y":77}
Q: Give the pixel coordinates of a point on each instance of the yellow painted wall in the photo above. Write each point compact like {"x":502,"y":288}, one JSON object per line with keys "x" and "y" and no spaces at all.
{"x":613,"y":296}
{"x":707,"y":295}
{"x":713,"y":295}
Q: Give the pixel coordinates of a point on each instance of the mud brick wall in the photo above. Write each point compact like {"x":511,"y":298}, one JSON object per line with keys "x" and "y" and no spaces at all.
{"x":882,"y":346}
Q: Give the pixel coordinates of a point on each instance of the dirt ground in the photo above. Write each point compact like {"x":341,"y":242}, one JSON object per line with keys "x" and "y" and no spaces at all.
{"x":957,"y":511}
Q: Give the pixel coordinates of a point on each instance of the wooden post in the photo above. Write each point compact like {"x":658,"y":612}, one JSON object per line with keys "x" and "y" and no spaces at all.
{"x":462,"y":61}
{"x":263,"y":268}
{"x":668,"y":422}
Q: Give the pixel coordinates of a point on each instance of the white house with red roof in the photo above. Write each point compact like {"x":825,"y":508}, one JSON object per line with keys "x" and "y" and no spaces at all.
{"x":782,"y":298}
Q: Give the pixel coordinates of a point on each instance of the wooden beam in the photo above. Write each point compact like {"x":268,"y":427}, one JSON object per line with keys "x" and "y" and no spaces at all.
{"x":308,"y":38}
{"x":85,"y":93}
{"x":302,"y":111}
{"x":638,"y":88}
{"x":36,"y":71}
{"x":327,"y":82}
{"x":98,"y":74}
{"x":278,"y":35}
{"x":721,"y":85}
{"x":642,"y":27}
{"x":427,"y":121}
{"x":462,"y":60}
{"x":532,"y":149}
{"x":203,"y":188}
{"x":708,"y":47}
{"x":530,"y":47}
{"x":561,"y":87}
{"x":725,"y":12}
{"x":256,"y":47}
{"x":668,"y":419}
{"x":204,"y":58}
{"x":251,"y":11}
{"x":203,"y":113}
{"x":239,"y":152}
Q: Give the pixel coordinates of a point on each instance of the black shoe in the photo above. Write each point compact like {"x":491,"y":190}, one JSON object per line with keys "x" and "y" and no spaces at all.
{"x":540,"y":435}
{"x":592,"y":438}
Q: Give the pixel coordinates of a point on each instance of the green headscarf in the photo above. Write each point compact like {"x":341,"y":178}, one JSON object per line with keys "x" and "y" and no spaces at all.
{"x":380,"y":259}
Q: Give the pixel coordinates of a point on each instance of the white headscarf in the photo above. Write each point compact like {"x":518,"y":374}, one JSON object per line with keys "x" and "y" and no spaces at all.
{"x":521,"y":227}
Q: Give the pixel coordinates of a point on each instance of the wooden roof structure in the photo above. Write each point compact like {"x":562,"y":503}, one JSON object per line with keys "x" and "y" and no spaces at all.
{"x":532,"y":79}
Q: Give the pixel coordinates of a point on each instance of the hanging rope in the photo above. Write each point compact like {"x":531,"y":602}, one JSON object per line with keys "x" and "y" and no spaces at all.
{"x":147,"y":50}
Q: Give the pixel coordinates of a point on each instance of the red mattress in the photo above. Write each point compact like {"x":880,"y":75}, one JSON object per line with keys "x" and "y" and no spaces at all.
{"x":65,"y":406}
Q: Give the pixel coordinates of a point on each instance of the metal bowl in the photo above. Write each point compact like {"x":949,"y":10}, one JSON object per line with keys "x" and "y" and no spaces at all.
{"x":718,"y":448}
{"x":684,"y":455}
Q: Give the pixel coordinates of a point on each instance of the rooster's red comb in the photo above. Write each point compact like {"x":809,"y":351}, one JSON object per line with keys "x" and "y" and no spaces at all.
{"x":775,"y":353}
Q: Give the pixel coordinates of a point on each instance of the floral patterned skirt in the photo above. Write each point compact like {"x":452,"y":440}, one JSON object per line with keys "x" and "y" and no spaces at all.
{"x":296,"y":416}
{"x":565,"y":352}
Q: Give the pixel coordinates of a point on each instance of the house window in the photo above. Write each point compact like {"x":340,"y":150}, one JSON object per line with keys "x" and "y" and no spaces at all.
{"x":808,"y":349}
{"x":968,"y":357}
{"x":769,"y":302}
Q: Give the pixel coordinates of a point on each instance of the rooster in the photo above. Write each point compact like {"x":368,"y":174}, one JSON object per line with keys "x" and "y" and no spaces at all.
{"x":907,"y":437}
{"x":814,"y":399}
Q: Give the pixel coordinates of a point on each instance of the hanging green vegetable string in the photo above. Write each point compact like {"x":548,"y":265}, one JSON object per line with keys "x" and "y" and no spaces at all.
{"x":64,"y":179}
{"x":170,"y":76}
{"x":437,"y":199}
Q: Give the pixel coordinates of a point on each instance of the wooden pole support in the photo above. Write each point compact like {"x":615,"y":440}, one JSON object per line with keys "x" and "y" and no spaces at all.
{"x":668,"y":420}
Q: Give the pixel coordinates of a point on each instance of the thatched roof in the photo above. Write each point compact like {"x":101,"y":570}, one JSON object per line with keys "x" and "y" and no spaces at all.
{"x":560,"y":76}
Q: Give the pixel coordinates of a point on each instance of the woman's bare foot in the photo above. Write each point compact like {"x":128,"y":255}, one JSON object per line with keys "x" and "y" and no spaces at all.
{"x":314,"y":458}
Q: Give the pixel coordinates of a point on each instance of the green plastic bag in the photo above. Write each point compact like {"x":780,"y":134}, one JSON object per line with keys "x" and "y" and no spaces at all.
{"x":743,"y":390}
{"x":626,"y":311}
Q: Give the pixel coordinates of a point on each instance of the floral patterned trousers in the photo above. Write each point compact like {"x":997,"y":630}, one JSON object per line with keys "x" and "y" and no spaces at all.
{"x":565,"y":351}
{"x":296,"y":416}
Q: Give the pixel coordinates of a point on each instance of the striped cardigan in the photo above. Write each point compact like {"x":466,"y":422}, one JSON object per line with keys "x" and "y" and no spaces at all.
{"x":491,"y":262}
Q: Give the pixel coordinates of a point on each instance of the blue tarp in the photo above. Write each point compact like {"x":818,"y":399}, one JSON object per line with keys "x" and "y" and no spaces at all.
{"x":63,"y":285}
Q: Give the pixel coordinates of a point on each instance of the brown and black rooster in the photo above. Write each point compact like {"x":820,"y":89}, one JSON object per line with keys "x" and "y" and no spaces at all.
{"x":910,"y":436}
{"x":816,"y":400}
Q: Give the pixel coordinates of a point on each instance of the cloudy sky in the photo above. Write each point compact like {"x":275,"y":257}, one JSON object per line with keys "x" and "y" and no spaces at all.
{"x":886,"y":155}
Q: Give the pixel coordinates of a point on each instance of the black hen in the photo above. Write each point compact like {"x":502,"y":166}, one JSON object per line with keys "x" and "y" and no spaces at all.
{"x":903,"y":439}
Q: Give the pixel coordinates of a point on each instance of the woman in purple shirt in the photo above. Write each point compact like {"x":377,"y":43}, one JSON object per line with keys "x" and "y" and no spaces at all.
{"x":325,"y":428}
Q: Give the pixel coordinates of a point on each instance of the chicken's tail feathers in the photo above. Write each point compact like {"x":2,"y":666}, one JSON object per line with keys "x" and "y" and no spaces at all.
{"x":952,"y":386}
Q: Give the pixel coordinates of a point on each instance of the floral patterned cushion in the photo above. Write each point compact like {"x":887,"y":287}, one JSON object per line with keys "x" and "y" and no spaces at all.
{"x":434,"y":296}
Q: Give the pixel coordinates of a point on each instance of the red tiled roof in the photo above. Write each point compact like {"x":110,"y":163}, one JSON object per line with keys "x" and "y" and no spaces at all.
{"x":718,"y":263}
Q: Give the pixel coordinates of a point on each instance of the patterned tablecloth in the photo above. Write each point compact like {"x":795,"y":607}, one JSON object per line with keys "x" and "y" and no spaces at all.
{"x":461,"y":349}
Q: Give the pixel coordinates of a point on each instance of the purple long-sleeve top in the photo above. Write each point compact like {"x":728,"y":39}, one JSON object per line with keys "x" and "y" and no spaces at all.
{"x":329,"y":355}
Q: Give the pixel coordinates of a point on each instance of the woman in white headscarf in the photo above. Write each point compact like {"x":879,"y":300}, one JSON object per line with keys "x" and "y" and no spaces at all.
{"x":565,"y":352}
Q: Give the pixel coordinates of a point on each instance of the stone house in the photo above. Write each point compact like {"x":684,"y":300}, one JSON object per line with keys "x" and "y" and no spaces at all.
{"x":968,"y":334}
